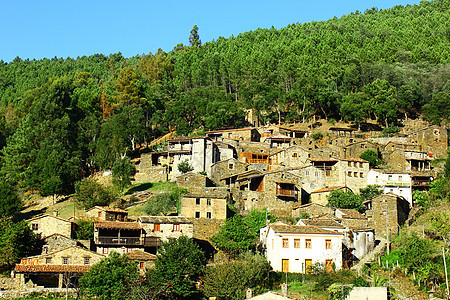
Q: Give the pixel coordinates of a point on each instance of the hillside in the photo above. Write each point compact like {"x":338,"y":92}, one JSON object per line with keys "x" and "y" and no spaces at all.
{"x":64,"y":119}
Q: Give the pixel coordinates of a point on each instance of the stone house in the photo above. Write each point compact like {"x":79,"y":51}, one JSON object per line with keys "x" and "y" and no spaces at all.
{"x":351,"y":218}
{"x":358,"y":148}
{"x":279,"y":141}
{"x":143,"y":259}
{"x":433,"y":140}
{"x":405,"y":146}
{"x":313,"y":178}
{"x":226,"y":151}
{"x":386,"y":212}
{"x":320,"y":196}
{"x":107,"y":213}
{"x":211,"y":203}
{"x":270,"y":130}
{"x":312,"y":210}
{"x":407,"y":160}
{"x":164,"y":228}
{"x":240,"y":134}
{"x":56,"y":242}
{"x":296,"y":248}
{"x":352,"y":173}
{"x":122,"y":237}
{"x":291,"y":157}
{"x":194,"y":182}
{"x":147,"y":172}
{"x":46,"y":225}
{"x":226,"y":168}
{"x":392,"y":181}
{"x":56,"y":269}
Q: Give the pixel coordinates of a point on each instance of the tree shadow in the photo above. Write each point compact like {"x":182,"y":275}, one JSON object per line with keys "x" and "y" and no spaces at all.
{"x":139,"y":188}
{"x":29,"y":214}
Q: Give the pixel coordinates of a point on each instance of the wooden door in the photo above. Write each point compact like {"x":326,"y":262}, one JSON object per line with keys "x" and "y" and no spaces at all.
{"x":329,"y":265}
{"x":308,"y":266}
{"x":285,"y":265}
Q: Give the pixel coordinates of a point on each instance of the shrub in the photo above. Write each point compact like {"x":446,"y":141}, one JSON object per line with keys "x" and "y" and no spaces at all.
{"x":317,"y":136}
{"x":89,"y":193}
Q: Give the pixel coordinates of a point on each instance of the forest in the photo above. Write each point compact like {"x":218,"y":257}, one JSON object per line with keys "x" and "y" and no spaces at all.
{"x":63,"y":119}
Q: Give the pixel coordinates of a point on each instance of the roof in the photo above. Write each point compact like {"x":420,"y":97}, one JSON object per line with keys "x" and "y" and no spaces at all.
{"x":140,"y":255}
{"x":108,"y":209}
{"x":323,"y":159}
{"x":44,"y":216}
{"x":352,"y":159}
{"x":52,"y":268}
{"x":61,"y":250}
{"x":389,"y":195}
{"x":351,"y":213}
{"x":227,"y":130}
{"x":322,"y":223}
{"x":342,"y":129}
{"x":165,"y":220}
{"x":328,"y":189}
{"x":305,"y":229}
{"x":118,"y":225}
{"x":270,"y":296}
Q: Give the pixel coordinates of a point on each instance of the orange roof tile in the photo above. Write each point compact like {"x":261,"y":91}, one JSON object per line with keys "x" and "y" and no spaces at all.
{"x":118,"y":225}
{"x":51,"y":268}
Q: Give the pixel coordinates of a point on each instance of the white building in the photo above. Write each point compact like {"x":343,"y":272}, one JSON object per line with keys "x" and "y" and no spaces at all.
{"x":296,"y":248}
{"x":391,"y":181}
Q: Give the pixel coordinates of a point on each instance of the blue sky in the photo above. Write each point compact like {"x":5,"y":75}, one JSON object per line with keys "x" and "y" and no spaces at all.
{"x":64,"y":28}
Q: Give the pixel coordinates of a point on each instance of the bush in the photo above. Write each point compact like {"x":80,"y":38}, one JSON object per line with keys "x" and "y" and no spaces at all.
{"x":317,"y":136}
{"x":161,"y":204}
{"x":390,"y":130}
{"x":185,"y":166}
{"x":85,"y":230}
{"x":89,"y":193}
{"x":372,"y":157}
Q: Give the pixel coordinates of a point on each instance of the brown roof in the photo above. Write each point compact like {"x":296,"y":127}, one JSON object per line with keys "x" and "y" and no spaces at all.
{"x":51,"y":268}
{"x":109,"y":209}
{"x":165,"y":220}
{"x":351,"y":213}
{"x":352,"y":159}
{"x":323,"y":159}
{"x":301,"y":229}
{"x":140,"y":255}
{"x":322,"y":223}
{"x":328,"y":189}
{"x":118,"y":225}
{"x":44,"y":216}
{"x":227,"y":130}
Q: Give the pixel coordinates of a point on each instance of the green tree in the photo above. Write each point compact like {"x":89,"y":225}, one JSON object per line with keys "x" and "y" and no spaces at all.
{"x":89,"y":193}
{"x":84,"y":229}
{"x":194,"y":38}
{"x":122,"y":171}
{"x":370,"y":191}
{"x":256,"y":219}
{"x":234,"y":237}
{"x":111,"y":278}
{"x":16,"y":241}
{"x":160,"y":204}
{"x":341,"y":199}
{"x":230,"y":280}
{"x":185,"y":166}
{"x":10,"y":202}
{"x":178,"y":266}
{"x":371,"y":156}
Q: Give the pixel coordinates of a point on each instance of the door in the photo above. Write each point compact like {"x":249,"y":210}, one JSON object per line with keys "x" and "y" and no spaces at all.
{"x":285,"y":265}
{"x":308,"y":266}
{"x":329,"y":265}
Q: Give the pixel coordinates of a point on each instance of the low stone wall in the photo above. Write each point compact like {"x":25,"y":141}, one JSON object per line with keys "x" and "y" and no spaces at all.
{"x":41,"y":292}
{"x":8,"y":283}
{"x":152,"y":174}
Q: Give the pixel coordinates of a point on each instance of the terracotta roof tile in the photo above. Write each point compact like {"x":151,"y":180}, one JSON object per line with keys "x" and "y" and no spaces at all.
{"x":51,"y":268}
{"x":301,"y":229}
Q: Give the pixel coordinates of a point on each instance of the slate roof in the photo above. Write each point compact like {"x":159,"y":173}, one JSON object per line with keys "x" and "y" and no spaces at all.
{"x":301,"y":229}
{"x":108,"y":209}
{"x":140,"y":255}
{"x":51,"y":268}
{"x":328,"y":189}
{"x":118,"y":225}
{"x":323,"y":223}
{"x":351,"y":213}
{"x":164,"y":220}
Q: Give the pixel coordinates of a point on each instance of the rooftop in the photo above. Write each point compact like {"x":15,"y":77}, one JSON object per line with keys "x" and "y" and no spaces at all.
{"x":141,"y":255}
{"x":118,"y":225}
{"x":351,"y":213}
{"x":322,"y":223}
{"x":305,"y":229}
{"x":164,"y":220}
{"x":328,"y":189}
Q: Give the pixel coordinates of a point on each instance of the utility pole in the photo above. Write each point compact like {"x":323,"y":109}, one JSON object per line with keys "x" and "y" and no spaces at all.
{"x":387,"y":228}
{"x":445,"y":268}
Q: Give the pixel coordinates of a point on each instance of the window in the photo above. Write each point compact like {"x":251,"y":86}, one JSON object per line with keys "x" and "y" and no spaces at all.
{"x":308,"y":244}
{"x":327,"y":172}
{"x":105,"y":250}
{"x":361,"y":174}
{"x":99,"y":214}
{"x":48,"y":260}
{"x":294,"y":155}
{"x":355,"y":164}
{"x":360,"y":164}
{"x":349,"y":163}
{"x":34,"y":226}
{"x":355,"y":174}
{"x":400,"y":177}
{"x":231,"y":166}
{"x":87,"y":260}
{"x":317,"y":174}
{"x":327,"y":244}
{"x":197,"y":214}
{"x":390,"y":177}
{"x":45,"y":248}
{"x":129,"y":250}
{"x":307,"y":173}
{"x":176,"y":227}
{"x":208,"y":201}
{"x":285,"y":243}
{"x":197,"y":201}
{"x":141,"y":265}
{"x":65,"y":261}
{"x":208,"y":215}
{"x":156,"y":227}
{"x":296,"y":243}
{"x":349,"y":174}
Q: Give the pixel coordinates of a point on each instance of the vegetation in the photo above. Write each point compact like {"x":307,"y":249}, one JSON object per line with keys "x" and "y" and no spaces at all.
{"x":185,"y":166}
{"x":372,"y":190}
{"x":84,"y":229}
{"x":111,"y":278}
{"x":341,"y":199}
{"x":372,"y":157}
{"x":10,"y":202}
{"x":90,"y":193}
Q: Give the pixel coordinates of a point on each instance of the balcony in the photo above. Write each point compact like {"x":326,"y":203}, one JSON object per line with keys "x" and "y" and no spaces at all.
{"x":128,"y":241}
{"x":258,"y":161}
{"x":397,"y":183}
{"x":421,"y":183}
{"x":283,"y":192}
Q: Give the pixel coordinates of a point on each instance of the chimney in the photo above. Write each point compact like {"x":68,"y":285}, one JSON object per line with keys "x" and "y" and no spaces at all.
{"x":55,"y":212}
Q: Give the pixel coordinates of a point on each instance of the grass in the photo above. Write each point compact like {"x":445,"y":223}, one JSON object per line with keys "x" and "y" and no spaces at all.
{"x":299,"y":290}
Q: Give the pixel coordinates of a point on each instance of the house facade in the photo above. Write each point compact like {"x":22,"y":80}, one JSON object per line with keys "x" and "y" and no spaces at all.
{"x":297,"y":248}
{"x":107,"y":213}
{"x":211,"y":203}
{"x":391,"y":181}
{"x":46,"y":225}
{"x":163,"y":228}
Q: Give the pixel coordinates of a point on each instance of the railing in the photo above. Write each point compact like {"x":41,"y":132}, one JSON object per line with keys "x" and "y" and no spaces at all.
{"x":285,"y":193}
{"x":421,"y":183}
{"x":129,"y":241}
{"x":397,"y":183}
{"x":257,"y":161}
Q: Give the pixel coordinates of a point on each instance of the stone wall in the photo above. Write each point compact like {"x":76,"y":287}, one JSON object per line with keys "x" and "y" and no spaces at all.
{"x":57,"y":242}
{"x":313,"y":210}
{"x":48,"y":225}
{"x":151,"y":174}
{"x":226,"y":168}
{"x":433,"y":139}
{"x":193,"y":182}
{"x":204,"y":206}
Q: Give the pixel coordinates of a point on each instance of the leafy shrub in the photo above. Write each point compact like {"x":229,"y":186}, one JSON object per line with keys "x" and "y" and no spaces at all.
{"x":89,"y":193}
{"x":185,"y":166}
{"x":317,"y":136}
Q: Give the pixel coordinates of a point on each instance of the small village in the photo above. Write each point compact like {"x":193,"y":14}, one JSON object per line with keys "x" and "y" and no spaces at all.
{"x":288,"y":171}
